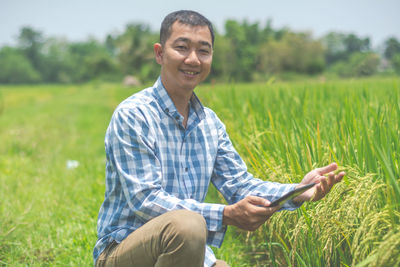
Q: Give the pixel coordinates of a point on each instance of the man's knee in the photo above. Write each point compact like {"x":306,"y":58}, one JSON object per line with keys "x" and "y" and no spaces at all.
{"x":220,"y":263}
{"x":188,"y":225}
{"x":183,"y":236}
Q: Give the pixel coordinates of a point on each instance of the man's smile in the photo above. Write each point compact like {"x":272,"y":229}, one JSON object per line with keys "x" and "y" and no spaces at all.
{"x":190,"y":72}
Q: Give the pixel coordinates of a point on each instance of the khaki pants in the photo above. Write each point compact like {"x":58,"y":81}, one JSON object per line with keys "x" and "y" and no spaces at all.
{"x":176,"y":238}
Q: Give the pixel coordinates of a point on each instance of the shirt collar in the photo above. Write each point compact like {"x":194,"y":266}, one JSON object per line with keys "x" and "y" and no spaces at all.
{"x":168,"y":106}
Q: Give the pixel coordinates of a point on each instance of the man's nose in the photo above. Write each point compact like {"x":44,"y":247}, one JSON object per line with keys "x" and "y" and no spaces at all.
{"x":192,"y":58}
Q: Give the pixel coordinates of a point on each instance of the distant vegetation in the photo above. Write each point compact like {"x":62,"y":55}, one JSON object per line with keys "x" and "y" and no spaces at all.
{"x":244,"y":52}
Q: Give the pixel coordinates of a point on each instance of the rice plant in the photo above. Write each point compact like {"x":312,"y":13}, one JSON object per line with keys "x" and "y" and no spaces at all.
{"x":284,"y":130}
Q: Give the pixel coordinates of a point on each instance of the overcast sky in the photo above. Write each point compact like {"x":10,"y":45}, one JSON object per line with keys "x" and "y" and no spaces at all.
{"x":78,"y":19}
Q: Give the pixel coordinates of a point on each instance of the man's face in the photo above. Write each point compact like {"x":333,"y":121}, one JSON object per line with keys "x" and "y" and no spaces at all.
{"x":185,"y":57}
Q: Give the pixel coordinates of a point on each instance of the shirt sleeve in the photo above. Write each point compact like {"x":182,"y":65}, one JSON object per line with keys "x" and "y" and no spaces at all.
{"x":232,"y":179}
{"x":131,"y":151}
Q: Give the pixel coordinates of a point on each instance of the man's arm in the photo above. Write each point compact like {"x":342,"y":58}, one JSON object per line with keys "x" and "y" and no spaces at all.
{"x":231,"y":178}
{"x":249,"y":198}
{"x":251,"y":212}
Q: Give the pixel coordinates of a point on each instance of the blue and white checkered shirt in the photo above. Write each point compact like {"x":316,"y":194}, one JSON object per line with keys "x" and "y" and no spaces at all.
{"x":155,"y":164}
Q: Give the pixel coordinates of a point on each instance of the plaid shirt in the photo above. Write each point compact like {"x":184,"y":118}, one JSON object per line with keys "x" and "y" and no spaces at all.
{"x":155,"y":165}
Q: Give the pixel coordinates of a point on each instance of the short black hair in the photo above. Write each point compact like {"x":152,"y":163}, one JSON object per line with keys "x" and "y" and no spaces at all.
{"x":187,"y":17}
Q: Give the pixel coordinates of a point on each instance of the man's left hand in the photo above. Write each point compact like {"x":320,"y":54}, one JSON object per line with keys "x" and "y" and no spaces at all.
{"x":324,"y":183}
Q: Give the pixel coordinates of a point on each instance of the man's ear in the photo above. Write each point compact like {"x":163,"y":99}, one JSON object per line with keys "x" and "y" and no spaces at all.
{"x":158,"y":52}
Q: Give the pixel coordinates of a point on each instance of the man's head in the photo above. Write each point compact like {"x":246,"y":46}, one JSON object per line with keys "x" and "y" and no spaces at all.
{"x":186,"y":17}
{"x":185,"y":50}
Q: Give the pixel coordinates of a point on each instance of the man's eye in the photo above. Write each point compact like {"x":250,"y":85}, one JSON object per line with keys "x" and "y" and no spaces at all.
{"x":204,"y":51}
{"x":180,"y":47}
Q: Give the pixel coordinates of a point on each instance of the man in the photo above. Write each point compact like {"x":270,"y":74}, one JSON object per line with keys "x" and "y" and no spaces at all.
{"x":163,"y":149}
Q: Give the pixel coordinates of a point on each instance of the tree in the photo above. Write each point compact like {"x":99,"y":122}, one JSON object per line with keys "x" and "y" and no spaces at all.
{"x":56,"y":62}
{"x":335,"y":49}
{"x":392,"y":47}
{"x":341,"y":46}
{"x":359,"y":65}
{"x":396,"y":63}
{"x":294,"y":52}
{"x":16,"y":68}
{"x":365,"y":64}
{"x":223,"y":61}
{"x":244,"y":39}
{"x":90,"y":60}
{"x":135,"y":51}
{"x":30,"y":42}
{"x":355,"y":44}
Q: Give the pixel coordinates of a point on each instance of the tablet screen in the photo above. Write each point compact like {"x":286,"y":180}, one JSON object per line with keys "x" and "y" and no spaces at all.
{"x":292,"y":194}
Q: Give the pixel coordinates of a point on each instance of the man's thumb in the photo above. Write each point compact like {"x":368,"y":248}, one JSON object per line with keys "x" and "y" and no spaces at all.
{"x":259,"y":201}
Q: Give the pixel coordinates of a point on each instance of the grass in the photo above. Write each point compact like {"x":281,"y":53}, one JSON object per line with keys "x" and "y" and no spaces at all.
{"x":289,"y":129}
{"x":48,"y":212}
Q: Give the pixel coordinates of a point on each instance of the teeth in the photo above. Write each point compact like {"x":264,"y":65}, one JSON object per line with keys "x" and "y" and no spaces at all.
{"x":190,"y":72}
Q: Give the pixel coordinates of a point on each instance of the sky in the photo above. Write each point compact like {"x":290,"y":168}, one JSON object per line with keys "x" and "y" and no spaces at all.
{"x":77,"y":20}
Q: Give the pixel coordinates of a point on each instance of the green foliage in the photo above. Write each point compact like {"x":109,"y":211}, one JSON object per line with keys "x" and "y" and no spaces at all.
{"x":294,"y":53}
{"x":135,"y":51}
{"x":355,"y":44}
{"x":248,"y":52}
{"x":56,"y":62}
{"x":335,"y":47}
{"x":245,"y":52}
{"x":31,"y":42}
{"x":340,"y":47}
{"x":359,"y":64}
{"x":16,"y":68}
{"x":243,"y":41}
{"x":392,"y":48}
{"x":396,"y":63}
{"x":223,"y":62}
{"x":90,"y":60}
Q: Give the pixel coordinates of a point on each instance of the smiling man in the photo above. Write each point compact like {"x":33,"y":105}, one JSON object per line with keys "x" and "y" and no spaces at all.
{"x":164,"y":149}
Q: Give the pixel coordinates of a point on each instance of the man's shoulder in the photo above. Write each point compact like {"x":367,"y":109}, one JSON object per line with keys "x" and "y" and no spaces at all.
{"x":209,"y":112}
{"x":141,"y":99}
{"x":143,"y":102}
{"x":211,"y":115}
{"x":141,"y":106}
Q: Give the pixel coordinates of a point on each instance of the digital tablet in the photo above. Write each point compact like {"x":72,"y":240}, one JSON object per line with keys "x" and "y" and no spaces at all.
{"x":292,"y":194}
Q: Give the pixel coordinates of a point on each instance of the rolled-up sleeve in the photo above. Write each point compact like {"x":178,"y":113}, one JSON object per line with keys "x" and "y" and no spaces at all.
{"x":232,"y":179}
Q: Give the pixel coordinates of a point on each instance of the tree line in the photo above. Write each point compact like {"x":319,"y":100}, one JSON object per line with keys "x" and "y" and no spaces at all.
{"x":244,"y":52}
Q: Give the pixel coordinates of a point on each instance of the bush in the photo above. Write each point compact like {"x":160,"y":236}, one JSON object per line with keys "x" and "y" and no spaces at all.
{"x":396,"y":63}
{"x":16,"y":68}
{"x":359,"y":65}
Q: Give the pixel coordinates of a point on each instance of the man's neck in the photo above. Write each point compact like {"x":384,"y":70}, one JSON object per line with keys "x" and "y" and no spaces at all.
{"x":181,"y":101}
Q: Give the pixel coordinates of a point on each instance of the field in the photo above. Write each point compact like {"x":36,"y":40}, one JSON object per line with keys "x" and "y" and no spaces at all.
{"x":52,"y":169}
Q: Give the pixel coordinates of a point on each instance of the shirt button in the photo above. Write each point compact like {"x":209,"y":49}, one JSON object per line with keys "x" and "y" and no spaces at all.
{"x":177,"y":117}
{"x":186,"y":169}
{"x":167,"y":110}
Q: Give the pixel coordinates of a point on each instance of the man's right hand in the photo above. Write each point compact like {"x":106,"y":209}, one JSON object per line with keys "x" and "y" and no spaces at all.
{"x":249,"y":213}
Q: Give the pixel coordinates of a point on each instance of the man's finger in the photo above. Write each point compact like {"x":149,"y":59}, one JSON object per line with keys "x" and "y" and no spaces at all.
{"x":327,"y":169}
{"x":265,"y":212}
{"x":340,"y":176}
{"x":317,"y":193}
{"x":324,"y":186}
{"x":258,"y":201}
{"x":331,"y":179}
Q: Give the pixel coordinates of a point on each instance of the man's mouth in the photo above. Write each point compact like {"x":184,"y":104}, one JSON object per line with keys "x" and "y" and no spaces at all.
{"x":190,"y":72}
